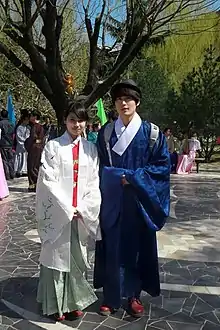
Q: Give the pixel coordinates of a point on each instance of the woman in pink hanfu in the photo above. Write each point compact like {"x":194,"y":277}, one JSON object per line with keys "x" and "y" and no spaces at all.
{"x":4,"y":192}
{"x":186,"y":159}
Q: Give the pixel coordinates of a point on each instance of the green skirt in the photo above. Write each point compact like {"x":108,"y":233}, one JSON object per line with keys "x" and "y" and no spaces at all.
{"x":61,"y":292}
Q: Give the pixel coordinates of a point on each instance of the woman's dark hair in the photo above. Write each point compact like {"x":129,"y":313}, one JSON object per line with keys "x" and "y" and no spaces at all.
{"x":4,"y":114}
{"x":95,"y":126}
{"x":24,"y":114}
{"x":167,"y":129}
{"x":125,"y":91}
{"x":79,"y":111}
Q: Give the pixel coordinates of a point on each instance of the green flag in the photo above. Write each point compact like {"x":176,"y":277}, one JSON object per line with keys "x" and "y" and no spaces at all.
{"x":101,"y":112}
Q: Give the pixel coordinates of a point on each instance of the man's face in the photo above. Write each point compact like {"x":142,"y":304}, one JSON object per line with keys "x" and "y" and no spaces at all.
{"x":75,"y":127}
{"x":125,"y":106}
{"x":33,"y":119}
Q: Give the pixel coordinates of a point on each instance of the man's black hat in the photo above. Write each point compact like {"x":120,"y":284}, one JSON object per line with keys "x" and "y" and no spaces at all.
{"x":129,"y":83}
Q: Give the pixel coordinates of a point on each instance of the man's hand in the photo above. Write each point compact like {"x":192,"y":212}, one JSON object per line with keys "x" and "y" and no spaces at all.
{"x":124,"y":181}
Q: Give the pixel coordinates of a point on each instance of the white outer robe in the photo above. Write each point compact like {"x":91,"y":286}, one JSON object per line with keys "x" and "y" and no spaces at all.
{"x":54,"y":210}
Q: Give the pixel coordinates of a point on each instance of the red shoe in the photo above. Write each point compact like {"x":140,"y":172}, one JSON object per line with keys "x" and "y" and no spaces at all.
{"x":58,"y":318}
{"x":135,"y":308}
{"x":77,"y":314}
{"x":105,"y":310}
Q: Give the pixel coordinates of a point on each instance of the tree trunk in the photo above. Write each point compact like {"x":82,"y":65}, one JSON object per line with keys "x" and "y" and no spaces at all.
{"x":59,"y":103}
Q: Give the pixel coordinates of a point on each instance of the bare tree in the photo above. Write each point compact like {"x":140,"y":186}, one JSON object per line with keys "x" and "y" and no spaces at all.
{"x":116,"y":31}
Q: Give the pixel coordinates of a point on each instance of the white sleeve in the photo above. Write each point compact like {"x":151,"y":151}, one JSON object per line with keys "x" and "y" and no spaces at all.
{"x":89,"y":206}
{"x":52,"y":210}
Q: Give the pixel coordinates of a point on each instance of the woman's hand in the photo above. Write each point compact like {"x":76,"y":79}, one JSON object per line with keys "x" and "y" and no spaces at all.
{"x":76,"y":215}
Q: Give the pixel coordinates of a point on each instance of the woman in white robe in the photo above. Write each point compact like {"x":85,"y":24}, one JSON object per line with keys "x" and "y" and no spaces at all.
{"x":67,"y":210}
{"x":21,"y":135}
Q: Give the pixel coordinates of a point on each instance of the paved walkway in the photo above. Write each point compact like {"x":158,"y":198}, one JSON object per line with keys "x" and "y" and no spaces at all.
{"x":189,"y":249}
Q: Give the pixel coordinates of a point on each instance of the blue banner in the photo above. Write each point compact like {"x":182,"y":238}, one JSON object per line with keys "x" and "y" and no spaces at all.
{"x":10,"y":109}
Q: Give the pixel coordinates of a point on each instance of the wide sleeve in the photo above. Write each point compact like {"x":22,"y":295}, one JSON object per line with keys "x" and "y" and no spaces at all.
{"x":152,"y":185}
{"x":22,"y":133}
{"x":101,"y":147}
{"x":53,"y":210}
{"x":89,"y":205}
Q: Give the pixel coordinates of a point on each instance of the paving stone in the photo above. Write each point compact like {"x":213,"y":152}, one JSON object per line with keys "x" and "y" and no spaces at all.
{"x":160,"y":325}
{"x":189,"y":250}
{"x":184,"y":326}
{"x":114,"y":323}
{"x":93,"y":317}
{"x":87,"y":326}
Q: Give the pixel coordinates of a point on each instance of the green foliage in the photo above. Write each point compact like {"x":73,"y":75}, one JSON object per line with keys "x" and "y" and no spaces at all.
{"x":184,"y":49}
{"x":198,"y":100}
{"x":154,"y":85}
{"x":74,"y":49}
{"x":25,"y":93}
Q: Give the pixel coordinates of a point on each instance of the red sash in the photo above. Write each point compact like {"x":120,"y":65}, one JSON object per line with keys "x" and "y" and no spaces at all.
{"x":75,"y":153}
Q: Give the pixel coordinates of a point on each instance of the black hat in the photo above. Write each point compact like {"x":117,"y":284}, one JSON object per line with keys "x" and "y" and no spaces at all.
{"x":129,"y":83}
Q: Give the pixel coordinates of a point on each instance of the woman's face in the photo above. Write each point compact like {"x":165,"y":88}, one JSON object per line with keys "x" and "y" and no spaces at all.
{"x":74,"y":126}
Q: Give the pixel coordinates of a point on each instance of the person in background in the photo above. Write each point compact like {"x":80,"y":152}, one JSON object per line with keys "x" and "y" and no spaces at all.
{"x":53,"y":132}
{"x":4,"y":192}
{"x":92,"y":135}
{"x":170,"y":140}
{"x":22,"y":133}
{"x":187,"y":154}
{"x":34,"y":146}
{"x":67,"y":210}
{"x":171,"y":148}
{"x":47,"y":128}
{"x":87,"y":130}
{"x":135,"y":188}
{"x":6,"y":145}
{"x":112,"y":116}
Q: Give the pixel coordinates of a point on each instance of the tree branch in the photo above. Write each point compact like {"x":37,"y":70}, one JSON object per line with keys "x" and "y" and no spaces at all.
{"x":31,"y":49}
{"x":64,"y":7}
{"x":32,"y":20}
{"x":102,"y":88}
{"x":10,"y":55}
{"x":93,"y":43}
{"x":98,"y":22}
{"x":27,"y":11}
{"x":88,"y":23}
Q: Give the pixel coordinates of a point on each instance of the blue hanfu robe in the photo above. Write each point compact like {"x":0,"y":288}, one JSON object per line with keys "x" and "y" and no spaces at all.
{"x":126,"y":260}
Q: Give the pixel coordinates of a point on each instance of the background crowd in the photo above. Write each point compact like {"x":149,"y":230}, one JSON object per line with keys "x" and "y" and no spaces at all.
{"x":21,"y":146}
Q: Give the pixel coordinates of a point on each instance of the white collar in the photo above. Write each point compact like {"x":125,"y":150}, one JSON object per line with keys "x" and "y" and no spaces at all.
{"x":119,"y":127}
{"x":126,"y":134}
{"x":70,"y":140}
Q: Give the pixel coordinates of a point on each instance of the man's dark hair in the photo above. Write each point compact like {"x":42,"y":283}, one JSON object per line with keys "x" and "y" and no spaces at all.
{"x":36,"y":114}
{"x":126,"y":92}
{"x":126,"y":88}
{"x":4,"y":114}
{"x":24,"y":114}
{"x":79,"y":111}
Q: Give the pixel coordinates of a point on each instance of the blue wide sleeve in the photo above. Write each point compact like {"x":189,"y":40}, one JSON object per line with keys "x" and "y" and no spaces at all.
{"x":152,"y":185}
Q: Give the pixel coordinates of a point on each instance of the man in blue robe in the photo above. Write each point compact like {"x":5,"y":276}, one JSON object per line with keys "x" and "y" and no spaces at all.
{"x":135,"y":188}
